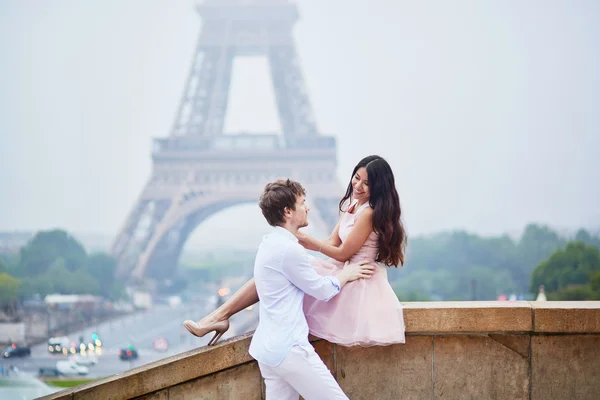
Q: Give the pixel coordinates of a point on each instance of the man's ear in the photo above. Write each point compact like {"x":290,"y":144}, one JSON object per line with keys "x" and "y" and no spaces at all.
{"x":287,"y":211}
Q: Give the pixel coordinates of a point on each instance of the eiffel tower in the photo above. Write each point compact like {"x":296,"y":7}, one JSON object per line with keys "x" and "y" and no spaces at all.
{"x":198,"y":170}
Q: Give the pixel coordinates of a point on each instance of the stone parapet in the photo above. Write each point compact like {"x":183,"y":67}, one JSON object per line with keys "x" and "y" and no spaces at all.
{"x":453,"y":350}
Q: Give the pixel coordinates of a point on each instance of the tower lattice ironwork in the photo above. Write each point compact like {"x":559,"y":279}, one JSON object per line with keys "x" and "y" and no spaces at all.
{"x":198,"y":170}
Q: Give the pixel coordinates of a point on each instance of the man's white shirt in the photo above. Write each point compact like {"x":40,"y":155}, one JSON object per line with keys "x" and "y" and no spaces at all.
{"x":283,"y":274}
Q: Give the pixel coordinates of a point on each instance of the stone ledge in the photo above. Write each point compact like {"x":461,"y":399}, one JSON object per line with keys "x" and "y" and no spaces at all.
{"x":467,"y":317}
{"x":421,"y":318}
{"x":566,"y":316}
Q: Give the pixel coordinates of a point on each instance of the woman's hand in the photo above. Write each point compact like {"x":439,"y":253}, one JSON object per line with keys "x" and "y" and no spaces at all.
{"x":308,"y":242}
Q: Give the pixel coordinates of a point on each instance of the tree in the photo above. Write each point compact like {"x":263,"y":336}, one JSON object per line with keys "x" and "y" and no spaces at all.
{"x":64,"y":281}
{"x":584,"y":236}
{"x":102,"y":267}
{"x":595,"y":283}
{"x":59,"y":277}
{"x":569,"y":273}
{"x":45,"y":248}
{"x":489,"y":282}
{"x":9,"y":263}
{"x":117,"y":291}
{"x":82,"y":282}
{"x":443,"y":265}
{"x":412,"y":296}
{"x":536,"y":244}
{"x":38,"y":286}
{"x":9,"y":292}
{"x":9,"y":288}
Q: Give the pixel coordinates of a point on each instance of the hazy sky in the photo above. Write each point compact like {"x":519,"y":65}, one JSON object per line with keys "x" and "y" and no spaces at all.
{"x":488,"y":111}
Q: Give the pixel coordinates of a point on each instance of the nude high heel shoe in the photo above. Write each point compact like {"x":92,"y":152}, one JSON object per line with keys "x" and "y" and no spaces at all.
{"x":200,"y":329}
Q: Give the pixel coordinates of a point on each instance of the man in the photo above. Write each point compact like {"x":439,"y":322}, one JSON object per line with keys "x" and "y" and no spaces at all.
{"x":283,"y":274}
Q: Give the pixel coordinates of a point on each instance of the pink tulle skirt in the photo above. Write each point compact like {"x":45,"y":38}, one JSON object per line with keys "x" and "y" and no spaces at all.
{"x":366,"y":312}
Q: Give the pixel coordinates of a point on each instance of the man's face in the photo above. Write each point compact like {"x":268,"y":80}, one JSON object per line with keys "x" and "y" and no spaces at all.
{"x":299,"y":216}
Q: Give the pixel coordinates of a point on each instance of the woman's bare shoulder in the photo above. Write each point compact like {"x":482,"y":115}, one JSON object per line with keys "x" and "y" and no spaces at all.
{"x":368,"y":210}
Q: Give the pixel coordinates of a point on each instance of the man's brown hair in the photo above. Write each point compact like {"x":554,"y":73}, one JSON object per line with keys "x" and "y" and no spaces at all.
{"x":278,"y":196}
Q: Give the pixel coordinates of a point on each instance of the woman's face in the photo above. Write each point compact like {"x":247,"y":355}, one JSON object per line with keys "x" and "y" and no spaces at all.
{"x":360,"y":185}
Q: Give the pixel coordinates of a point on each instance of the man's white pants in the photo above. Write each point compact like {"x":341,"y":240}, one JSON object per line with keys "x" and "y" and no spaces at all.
{"x":302,"y":372}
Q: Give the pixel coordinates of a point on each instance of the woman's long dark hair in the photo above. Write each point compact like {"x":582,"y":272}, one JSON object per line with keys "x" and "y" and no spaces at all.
{"x":387,"y":214}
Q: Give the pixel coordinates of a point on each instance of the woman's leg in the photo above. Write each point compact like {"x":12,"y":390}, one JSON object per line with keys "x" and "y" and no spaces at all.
{"x":218,"y":320}
{"x":244,"y":297}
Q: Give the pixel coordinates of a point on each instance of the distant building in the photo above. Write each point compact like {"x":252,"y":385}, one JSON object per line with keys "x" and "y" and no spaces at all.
{"x":73,"y":301}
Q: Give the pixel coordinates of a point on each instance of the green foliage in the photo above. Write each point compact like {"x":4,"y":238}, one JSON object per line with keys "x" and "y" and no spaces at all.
{"x":487,"y":283}
{"x":102,"y":267}
{"x":572,"y":293}
{"x":9,"y":288}
{"x":443,"y":266}
{"x":83,"y":282}
{"x":9,"y":263}
{"x":584,"y":236}
{"x":572,"y":273}
{"x":58,"y":279}
{"x":35,"y":286}
{"x":116,"y":291}
{"x":54,"y":262}
{"x":45,"y":248}
{"x":411,"y":295}
{"x":537,"y":243}
{"x":439,"y":267}
{"x":595,"y":282}
{"x":67,"y":383}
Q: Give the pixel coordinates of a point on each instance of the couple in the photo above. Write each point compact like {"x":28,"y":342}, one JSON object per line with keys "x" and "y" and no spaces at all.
{"x":301,"y":294}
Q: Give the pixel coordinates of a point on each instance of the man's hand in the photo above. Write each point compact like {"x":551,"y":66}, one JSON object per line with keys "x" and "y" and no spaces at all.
{"x":352,"y":272}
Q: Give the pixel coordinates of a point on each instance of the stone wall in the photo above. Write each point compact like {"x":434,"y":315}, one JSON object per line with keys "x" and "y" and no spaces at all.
{"x":453,"y":350}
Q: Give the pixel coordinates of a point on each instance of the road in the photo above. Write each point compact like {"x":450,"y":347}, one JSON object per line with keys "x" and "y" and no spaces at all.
{"x":139,"y":330}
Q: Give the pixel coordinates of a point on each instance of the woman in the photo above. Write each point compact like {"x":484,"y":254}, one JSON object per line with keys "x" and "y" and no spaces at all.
{"x":365,"y":312}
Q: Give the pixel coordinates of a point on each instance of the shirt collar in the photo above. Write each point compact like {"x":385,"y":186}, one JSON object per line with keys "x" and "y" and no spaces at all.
{"x":282,"y":231}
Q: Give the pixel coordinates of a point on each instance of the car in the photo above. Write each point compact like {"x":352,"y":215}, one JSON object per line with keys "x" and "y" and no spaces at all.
{"x":70,"y":368}
{"x":84,"y":360}
{"x":58,"y":345}
{"x":15,"y":350}
{"x":128,"y":353}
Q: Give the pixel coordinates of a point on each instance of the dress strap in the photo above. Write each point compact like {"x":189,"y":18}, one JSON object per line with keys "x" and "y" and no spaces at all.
{"x":359,"y":209}
{"x":352,"y":206}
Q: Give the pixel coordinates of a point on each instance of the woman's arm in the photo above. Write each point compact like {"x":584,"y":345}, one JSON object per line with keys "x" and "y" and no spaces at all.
{"x":334,"y":238}
{"x":357,"y":237}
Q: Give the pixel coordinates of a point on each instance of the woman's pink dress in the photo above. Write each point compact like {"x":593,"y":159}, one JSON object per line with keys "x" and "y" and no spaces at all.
{"x":366,"y":312}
